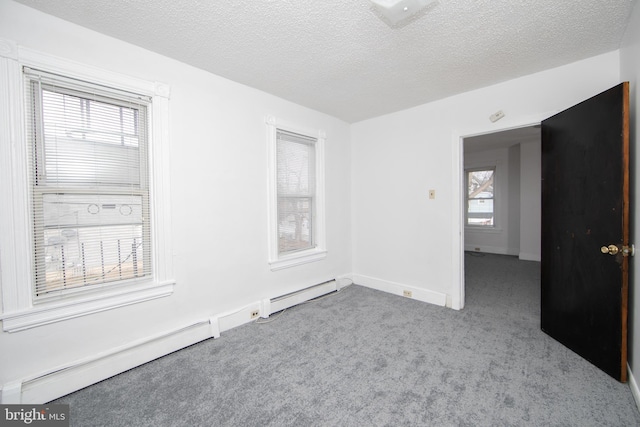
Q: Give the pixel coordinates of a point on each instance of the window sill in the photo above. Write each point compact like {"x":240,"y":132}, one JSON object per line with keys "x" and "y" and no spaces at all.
{"x":55,"y":312}
{"x":489,"y":230}
{"x":298,"y":258}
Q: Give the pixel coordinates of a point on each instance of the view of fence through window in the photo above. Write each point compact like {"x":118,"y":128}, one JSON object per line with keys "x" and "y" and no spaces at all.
{"x":480,"y":197}
{"x":91,"y":239}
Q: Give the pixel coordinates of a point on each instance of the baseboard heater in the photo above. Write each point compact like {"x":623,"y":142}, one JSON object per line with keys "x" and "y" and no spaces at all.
{"x":297,"y":297}
{"x":32,"y":387}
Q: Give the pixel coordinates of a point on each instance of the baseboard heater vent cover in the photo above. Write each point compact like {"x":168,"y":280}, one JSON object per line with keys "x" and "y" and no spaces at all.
{"x":295,"y":298}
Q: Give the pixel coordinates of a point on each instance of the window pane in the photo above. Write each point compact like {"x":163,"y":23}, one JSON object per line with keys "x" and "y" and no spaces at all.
{"x":91,"y":239}
{"x":294,"y":223}
{"x":480,"y":197}
{"x":480,"y":184}
{"x":78,"y":257}
{"x":89,"y":141}
{"x":480,"y":212}
{"x":295,"y":157}
{"x":295,"y":168}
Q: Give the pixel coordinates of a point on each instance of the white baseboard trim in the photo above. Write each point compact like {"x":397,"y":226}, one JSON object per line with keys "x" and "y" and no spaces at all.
{"x":529,"y":257}
{"x":633,"y":385}
{"x":419,"y":294}
{"x":51,"y":384}
{"x":491,"y":250}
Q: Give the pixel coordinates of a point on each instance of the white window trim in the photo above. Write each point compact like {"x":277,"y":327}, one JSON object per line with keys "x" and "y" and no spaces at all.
{"x":16,"y":281}
{"x":277,"y":261}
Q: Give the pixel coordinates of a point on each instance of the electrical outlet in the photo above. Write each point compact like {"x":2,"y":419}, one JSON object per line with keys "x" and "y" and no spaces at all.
{"x":255,"y":313}
{"x":407,"y":294}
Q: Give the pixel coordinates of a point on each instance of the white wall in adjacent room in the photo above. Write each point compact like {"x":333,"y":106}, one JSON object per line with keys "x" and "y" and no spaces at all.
{"x":518,"y":230}
{"x":495,"y":239}
{"x":530,"y":201}
{"x":514,"y":208}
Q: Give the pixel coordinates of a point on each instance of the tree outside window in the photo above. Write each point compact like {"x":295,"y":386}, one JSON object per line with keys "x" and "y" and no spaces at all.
{"x":480,"y":197}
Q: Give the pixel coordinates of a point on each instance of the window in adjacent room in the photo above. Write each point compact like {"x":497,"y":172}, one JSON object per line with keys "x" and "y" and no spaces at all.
{"x":297,"y":199}
{"x":480,"y":197}
{"x":89,"y":182}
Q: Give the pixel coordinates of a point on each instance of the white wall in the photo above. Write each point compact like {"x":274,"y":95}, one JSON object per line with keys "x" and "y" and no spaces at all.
{"x":403,"y":238}
{"x":219,"y":194}
{"x":497,"y":240}
{"x":520,"y":234}
{"x":514,"y":210}
{"x":630,"y":71}
{"x":530,"y":200}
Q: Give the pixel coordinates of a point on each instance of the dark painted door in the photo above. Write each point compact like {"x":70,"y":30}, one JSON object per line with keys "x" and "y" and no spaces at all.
{"x":585,"y":210}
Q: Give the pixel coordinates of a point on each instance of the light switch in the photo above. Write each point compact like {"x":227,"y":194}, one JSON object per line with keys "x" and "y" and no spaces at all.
{"x":432,"y":194}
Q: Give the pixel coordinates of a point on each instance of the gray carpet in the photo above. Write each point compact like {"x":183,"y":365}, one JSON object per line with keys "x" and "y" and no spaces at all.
{"x":365,"y":358}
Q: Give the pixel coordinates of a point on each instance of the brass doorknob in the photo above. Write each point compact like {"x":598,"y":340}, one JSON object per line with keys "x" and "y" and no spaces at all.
{"x":611,"y":249}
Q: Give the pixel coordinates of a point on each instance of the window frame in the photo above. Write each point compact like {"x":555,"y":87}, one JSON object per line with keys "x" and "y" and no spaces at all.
{"x":288,"y":259}
{"x":19,"y":310}
{"x":488,"y":227}
{"x":42,"y":186}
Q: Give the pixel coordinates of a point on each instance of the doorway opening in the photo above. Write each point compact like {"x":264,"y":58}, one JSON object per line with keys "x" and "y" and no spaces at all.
{"x":501,"y":195}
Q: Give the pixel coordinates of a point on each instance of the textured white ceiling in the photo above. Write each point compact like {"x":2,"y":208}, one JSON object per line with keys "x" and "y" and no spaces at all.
{"x":339,"y":57}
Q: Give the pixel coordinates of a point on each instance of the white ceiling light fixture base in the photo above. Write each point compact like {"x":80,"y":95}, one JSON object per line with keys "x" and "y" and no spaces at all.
{"x":398,"y":10}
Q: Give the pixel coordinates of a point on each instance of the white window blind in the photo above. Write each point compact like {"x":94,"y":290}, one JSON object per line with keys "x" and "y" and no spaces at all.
{"x":296,"y":187}
{"x":88,"y":149}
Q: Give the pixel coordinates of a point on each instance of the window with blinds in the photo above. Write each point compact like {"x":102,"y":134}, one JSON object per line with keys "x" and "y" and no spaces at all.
{"x":88,"y":149}
{"x":296,"y":188}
